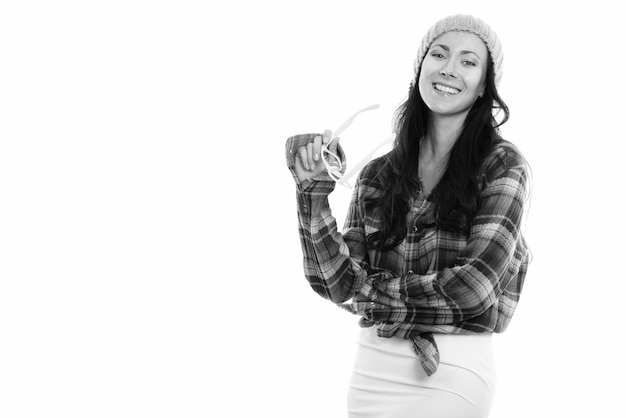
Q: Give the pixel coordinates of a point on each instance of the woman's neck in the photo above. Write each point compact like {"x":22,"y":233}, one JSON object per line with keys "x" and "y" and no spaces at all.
{"x":442,"y":134}
{"x":443,"y":131}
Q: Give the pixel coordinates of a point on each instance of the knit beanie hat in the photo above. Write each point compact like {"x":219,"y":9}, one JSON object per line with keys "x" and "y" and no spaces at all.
{"x":464,"y":23}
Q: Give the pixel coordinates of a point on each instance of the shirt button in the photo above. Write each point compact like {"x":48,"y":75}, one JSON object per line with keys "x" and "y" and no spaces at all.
{"x":414,"y":229}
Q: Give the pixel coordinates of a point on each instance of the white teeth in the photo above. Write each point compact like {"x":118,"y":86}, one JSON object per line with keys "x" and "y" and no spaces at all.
{"x":446,"y":89}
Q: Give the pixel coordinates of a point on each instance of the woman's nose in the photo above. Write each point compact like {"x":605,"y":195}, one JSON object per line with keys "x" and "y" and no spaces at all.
{"x":448,"y":69}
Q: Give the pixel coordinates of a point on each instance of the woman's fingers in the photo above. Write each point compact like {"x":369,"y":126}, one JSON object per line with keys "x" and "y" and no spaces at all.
{"x":327,"y":136}
{"x":304,"y":158}
{"x":317,"y":148}
{"x":359,"y":297}
{"x":314,"y":152}
{"x":310,"y":155}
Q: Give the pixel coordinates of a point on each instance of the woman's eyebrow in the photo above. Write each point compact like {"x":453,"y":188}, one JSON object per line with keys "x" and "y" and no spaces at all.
{"x":470,"y":52}
{"x":447,"y":49}
{"x":444,"y":47}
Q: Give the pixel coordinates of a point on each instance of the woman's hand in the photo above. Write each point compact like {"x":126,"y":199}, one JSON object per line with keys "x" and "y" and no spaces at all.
{"x":360,"y":297}
{"x":308,"y":161}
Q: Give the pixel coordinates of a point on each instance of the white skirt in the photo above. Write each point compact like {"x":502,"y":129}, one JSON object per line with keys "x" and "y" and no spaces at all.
{"x":388,"y":381}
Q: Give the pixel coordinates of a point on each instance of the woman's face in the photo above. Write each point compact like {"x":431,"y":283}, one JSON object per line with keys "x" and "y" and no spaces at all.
{"x":453,"y":73}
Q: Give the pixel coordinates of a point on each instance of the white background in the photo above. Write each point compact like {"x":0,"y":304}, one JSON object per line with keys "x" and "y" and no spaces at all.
{"x":150,"y":263}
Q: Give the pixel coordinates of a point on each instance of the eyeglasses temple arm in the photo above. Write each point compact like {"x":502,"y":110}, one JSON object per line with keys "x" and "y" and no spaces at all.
{"x":349,"y":121}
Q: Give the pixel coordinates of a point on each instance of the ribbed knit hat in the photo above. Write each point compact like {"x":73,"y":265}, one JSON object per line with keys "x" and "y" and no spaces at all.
{"x":464,"y":23}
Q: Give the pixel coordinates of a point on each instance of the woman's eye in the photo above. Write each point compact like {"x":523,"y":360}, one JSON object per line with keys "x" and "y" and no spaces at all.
{"x":470,"y":63}
{"x":437,"y":55}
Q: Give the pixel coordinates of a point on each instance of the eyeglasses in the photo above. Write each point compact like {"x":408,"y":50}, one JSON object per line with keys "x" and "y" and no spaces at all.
{"x":333,"y":162}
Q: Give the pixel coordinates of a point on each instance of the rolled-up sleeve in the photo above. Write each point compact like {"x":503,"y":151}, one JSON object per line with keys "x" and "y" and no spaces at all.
{"x":328,"y":266}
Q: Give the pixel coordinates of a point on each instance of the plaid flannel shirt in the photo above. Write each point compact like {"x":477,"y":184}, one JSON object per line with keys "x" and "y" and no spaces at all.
{"x":434,"y":281}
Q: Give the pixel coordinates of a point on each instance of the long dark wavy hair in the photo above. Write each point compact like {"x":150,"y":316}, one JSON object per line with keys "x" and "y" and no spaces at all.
{"x":455,"y":197}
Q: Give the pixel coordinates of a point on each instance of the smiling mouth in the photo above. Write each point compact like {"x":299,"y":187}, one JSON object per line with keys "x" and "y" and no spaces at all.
{"x":446,"y":89}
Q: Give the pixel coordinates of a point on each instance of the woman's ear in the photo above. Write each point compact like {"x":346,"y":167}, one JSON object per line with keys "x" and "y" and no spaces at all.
{"x":482,"y":92}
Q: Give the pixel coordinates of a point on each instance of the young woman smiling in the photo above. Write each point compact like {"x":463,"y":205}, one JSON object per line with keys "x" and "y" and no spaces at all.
{"x":431,"y":257}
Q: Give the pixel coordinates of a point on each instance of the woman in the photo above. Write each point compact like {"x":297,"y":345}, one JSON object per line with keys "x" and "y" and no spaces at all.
{"x":431,"y":257}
